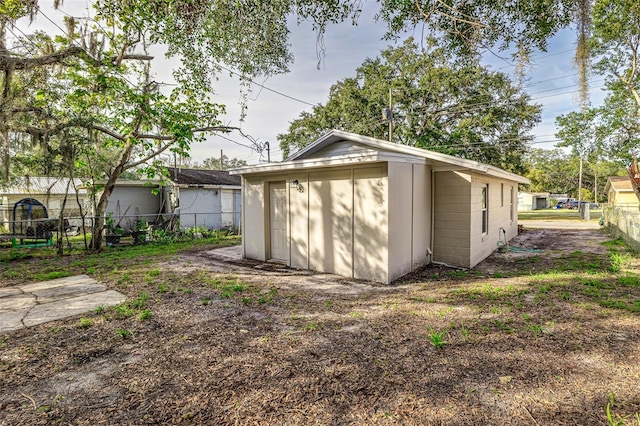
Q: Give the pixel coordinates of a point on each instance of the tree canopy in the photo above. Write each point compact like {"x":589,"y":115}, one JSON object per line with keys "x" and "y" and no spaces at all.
{"x":438,"y":102}
{"x":556,"y":171}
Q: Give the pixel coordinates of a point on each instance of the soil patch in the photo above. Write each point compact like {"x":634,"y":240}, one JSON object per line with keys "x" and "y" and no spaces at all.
{"x":528,"y":337}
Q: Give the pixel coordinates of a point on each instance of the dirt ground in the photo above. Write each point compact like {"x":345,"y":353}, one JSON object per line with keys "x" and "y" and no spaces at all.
{"x":537,"y":334}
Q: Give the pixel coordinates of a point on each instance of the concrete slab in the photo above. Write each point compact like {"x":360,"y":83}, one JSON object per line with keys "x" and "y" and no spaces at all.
{"x":45,"y":285}
{"x":53,"y":294}
{"x":229,"y":254}
{"x":37,"y":303}
{"x":17,"y":302}
{"x":60,"y":309}
{"x":12,"y":320}
{"x":6,"y":292}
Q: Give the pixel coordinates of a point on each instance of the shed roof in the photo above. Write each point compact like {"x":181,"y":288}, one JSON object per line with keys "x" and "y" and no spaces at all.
{"x":619,"y":184}
{"x":42,"y":185}
{"x":385,"y":151}
{"x":195,"y":177}
{"x":536,"y":194}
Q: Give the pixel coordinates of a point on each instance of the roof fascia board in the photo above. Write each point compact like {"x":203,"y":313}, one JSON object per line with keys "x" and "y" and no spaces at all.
{"x":337,"y":135}
{"x":206,"y":186}
{"x":309,"y":163}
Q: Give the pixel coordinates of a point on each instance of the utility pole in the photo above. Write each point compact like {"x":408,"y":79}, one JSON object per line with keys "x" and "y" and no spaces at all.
{"x":266,"y":145}
{"x":580,"y":185}
{"x":221,"y":160}
{"x":595,"y":188}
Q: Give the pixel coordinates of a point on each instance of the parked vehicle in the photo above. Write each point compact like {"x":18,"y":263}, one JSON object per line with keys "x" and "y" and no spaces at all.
{"x":565,"y":203}
{"x":592,"y":206}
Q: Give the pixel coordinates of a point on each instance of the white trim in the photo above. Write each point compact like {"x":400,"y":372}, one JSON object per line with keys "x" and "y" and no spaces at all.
{"x":309,"y":163}
{"x":337,"y":136}
{"x":203,"y":186}
{"x":387,"y":151}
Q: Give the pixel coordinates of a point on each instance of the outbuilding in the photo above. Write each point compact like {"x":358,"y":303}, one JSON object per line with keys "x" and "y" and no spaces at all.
{"x":369,"y":209}
{"x":205,"y":198}
{"x":528,"y":201}
{"x":620,"y":193}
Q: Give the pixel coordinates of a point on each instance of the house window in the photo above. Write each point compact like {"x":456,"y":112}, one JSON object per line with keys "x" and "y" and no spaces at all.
{"x":485,"y":208}
{"x":511,"y":204}
{"x":502,"y":195}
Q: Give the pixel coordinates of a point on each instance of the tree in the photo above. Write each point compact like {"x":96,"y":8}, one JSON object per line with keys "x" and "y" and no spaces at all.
{"x":438,"y":102}
{"x":102,"y":112}
{"x":107,"y":96}
{"x":616,"y":45}
{"x":555,"y":171}
{"x":213,"y":163}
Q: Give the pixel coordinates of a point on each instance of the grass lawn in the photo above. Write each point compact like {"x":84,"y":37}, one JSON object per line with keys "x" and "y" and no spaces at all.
{"x":553,"y":338}
{"x":558,"y":214}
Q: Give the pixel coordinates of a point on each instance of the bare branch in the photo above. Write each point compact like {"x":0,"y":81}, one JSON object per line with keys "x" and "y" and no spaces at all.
{"x":148,"y":157}
{"x":8,"y":61}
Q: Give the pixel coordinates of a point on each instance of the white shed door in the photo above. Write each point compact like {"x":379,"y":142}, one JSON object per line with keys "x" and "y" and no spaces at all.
{"x":278,"y":214}
{"x":227,"y":208}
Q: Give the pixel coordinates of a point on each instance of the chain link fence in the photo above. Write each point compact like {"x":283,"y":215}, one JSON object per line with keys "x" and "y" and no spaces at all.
{"x":117,"y":229}
{"x":623,"y":223}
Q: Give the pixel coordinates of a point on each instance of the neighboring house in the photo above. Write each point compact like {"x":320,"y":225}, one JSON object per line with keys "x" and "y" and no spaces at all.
{"x":369,"y":209}
{"x":210,"y":198}
{"x":26,"y":198}
{"x":620,"y":193}
{"x":528,"y":201}
{"x":132,"y":200}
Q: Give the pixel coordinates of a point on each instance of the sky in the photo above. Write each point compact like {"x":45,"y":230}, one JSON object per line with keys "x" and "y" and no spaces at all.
{"x":551,"y":81}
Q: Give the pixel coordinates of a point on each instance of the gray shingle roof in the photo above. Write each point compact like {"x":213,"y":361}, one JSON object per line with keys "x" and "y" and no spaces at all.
{"x":202,"y":177}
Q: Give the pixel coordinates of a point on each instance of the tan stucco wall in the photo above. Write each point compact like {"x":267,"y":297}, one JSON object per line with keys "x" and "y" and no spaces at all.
{"x":299,"y":221}
{"x":409,"y":217}
{"x":331,"y":212}
{"x":331,"y":221}
{"x":374,"y":221}
{"x":458,"y":237}
{"x":452,"y":218}
{"x":371,"y":223}
{"x":253,"y":218}
{"x":421,"y":236}
{"x":499,"y":216}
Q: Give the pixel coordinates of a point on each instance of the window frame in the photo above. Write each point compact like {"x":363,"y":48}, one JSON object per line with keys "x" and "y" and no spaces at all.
{"x":484,"y":209}
{"x":511,"y":205}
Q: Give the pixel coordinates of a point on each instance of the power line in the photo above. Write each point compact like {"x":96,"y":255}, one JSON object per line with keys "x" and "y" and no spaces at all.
{"x":532,"y":60}
{"x":265,"y":87}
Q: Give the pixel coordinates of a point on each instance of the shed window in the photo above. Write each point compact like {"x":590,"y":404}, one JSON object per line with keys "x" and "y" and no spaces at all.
{"x":502,"y":195}
{"x":485,"y":208}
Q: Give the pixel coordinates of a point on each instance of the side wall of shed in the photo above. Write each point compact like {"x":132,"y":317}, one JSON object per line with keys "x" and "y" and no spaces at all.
{"x":452,"y":215}
{"x":409,"y":217}
{"x":503,"y":222}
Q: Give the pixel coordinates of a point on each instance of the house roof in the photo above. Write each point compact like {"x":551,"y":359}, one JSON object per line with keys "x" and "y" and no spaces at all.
{"x":536,"y":194}
{"x":385,"y":151}
{"x":196,"y":177}
{"x":619,"y":184}
{"x":42,"y":185}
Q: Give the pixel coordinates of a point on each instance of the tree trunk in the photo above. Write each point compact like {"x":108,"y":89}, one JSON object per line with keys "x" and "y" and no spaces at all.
{"x":96,"y":236}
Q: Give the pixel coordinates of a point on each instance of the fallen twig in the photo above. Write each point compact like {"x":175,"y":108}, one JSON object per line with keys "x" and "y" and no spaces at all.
{"x":30,"y":398}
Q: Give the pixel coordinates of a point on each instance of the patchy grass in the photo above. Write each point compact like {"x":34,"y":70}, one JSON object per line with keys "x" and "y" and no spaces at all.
{"x":222,"y":344}
{"x":122,"y":262}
